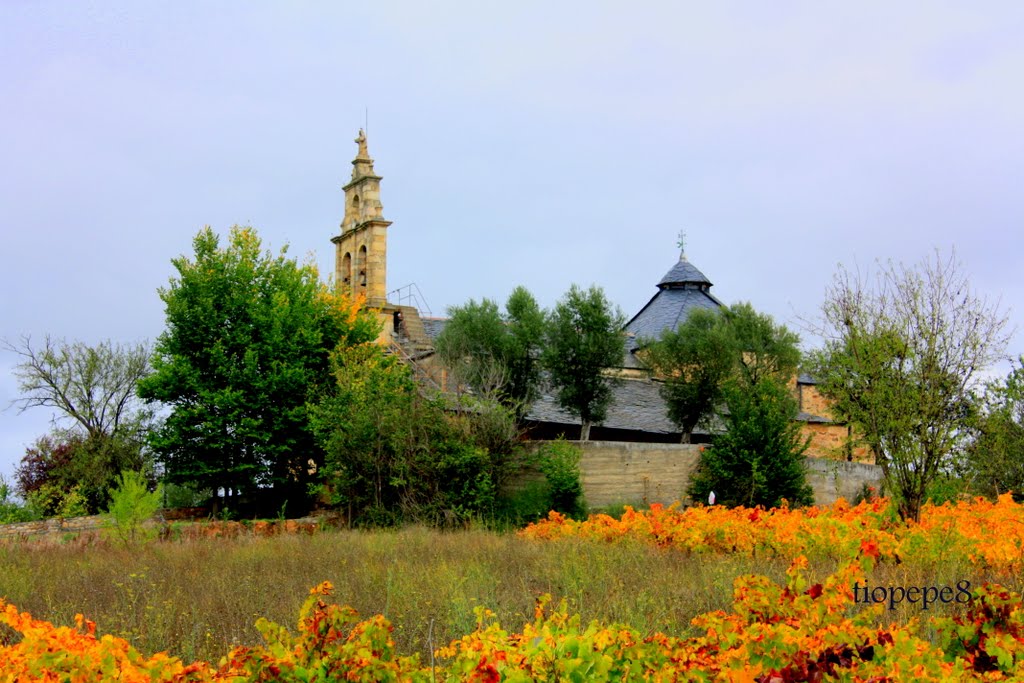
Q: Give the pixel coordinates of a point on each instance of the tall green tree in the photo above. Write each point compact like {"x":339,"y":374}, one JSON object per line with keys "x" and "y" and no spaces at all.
{"x":759,"y":458}
{"x":526,"y":326}
{"x":473,"y":345}
{"x":713,"y":348}
{"x":995,"y":457}
{"x":900,"y":362}
{"x":764,"y":348}
{"x":247,"y":345}
{"x":694,"y":361}
{"x":584,"y":339}
{"x":494,"y":353}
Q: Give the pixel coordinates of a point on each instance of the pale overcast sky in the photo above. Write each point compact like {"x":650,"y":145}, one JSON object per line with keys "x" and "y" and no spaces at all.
{"x":535,"y":143}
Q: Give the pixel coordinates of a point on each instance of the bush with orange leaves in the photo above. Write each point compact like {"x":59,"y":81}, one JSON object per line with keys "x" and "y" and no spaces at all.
{"x":59,"y":653}
{"x":988,"y":534}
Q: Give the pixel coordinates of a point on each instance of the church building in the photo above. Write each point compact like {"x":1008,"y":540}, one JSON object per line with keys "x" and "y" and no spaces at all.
{"x":637,"y":412}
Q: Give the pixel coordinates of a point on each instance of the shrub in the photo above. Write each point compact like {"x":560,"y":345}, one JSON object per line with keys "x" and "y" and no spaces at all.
{"x":394,"y":455}
{"x":559,"y":461}
{"x":759,"y":460}
{"x":131,"y":505}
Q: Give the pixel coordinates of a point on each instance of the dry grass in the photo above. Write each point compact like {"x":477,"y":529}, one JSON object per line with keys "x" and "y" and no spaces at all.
{"x":196,"y":598}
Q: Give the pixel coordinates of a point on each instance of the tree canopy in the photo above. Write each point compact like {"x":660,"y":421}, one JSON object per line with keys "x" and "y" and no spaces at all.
{"x":763,"y":347}
{"x":900,"y":362}
{"x":496,"y":354}
{"x":247,"y":345}
{"x":99,"y":421}
{"x":584,"y":338}
{"x":393,"y":454}
{"x":736,"y":363}
{"x":995,"y":457}
{"x":713,"y":348}
{"x":92,"y":387}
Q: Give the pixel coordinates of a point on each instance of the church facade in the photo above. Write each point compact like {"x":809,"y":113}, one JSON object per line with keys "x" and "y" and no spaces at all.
{"x":637,"y":412}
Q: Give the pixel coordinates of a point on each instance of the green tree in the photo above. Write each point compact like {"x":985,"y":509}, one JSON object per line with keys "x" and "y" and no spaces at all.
{"x":584,"y":339}
{"x":759,"y":459}
{"x":900,"y":363}
{"x":995,"y":458}
{"x":66,"y":466}
{"x":93,"y":387}
{"x":393,"y":455}
{"x":493,"y":353}
{"x":712,"y":348}
{"x":99,"y":422}
{"x":472,"y":345}
{"x":694,"y":361}
{"x":764,"y":348}
{"x":247,"y":345}
{"x":526,"y":327}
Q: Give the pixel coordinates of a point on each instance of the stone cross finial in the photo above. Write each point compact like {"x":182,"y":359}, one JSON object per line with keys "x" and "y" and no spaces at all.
{"x":361,"y":140}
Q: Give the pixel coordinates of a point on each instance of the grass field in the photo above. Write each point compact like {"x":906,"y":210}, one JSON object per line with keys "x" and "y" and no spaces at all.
{"x":197,"y":598}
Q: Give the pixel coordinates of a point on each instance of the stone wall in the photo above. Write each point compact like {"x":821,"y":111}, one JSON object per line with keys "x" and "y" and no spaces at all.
{"x":616,"y":472}
{"x":811,"y":401}
{"x":642,"y":473}
{"x":50,"y":527}
{"x":834,"y":479}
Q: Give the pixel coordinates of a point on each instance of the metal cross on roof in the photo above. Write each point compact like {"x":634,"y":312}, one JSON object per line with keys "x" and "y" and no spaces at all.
{"x":682,"y":244}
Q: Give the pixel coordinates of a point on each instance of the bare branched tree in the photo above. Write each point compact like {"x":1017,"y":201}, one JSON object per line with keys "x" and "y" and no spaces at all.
{"x":93,"y":386}
{"x":901,"y":361}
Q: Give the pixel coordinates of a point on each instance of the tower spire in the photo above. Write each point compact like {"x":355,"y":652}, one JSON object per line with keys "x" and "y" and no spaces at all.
{"x":361,"y":248}
{"x":362,"y":165}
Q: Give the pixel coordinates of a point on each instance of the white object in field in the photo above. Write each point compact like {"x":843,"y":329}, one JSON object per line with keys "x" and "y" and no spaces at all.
{"x":711,"y":498}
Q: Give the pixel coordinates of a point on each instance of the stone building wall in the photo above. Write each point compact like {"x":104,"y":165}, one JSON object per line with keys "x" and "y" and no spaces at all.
{"x":629,"y":473}
{"x":811,"y":401}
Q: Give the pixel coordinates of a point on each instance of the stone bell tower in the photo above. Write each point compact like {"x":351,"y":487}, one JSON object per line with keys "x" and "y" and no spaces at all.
{"x":361,"y":248}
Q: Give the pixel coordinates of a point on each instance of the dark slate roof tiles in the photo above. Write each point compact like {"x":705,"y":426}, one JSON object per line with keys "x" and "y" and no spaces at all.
{"x":636,"y":404}
{"x":666,"y":311}
{"x":684,"y":272}
{"x":813,"y":419}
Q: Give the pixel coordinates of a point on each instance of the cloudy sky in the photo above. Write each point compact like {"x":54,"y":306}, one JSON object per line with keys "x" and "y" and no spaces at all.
{"x":542,"y":143}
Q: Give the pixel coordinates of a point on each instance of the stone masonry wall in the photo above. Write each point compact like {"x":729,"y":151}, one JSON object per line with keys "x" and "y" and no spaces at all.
{"x":834,"y":479}
{"x":48,"y":527}
{"x":643,"y":473}
{"x":811,"y":401}
{"x":831,"y":441}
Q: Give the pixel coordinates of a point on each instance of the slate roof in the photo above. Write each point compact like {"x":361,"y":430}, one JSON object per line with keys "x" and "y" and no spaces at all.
{"x":682,"y":289}
{"x":684,"y":272}
{"x":667,"y":310}
{"x":813,"y":419}
{"x":636,"y":404}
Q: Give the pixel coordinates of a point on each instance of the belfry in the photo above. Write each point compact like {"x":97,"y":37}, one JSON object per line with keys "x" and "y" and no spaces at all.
{"x":361,"y":249}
